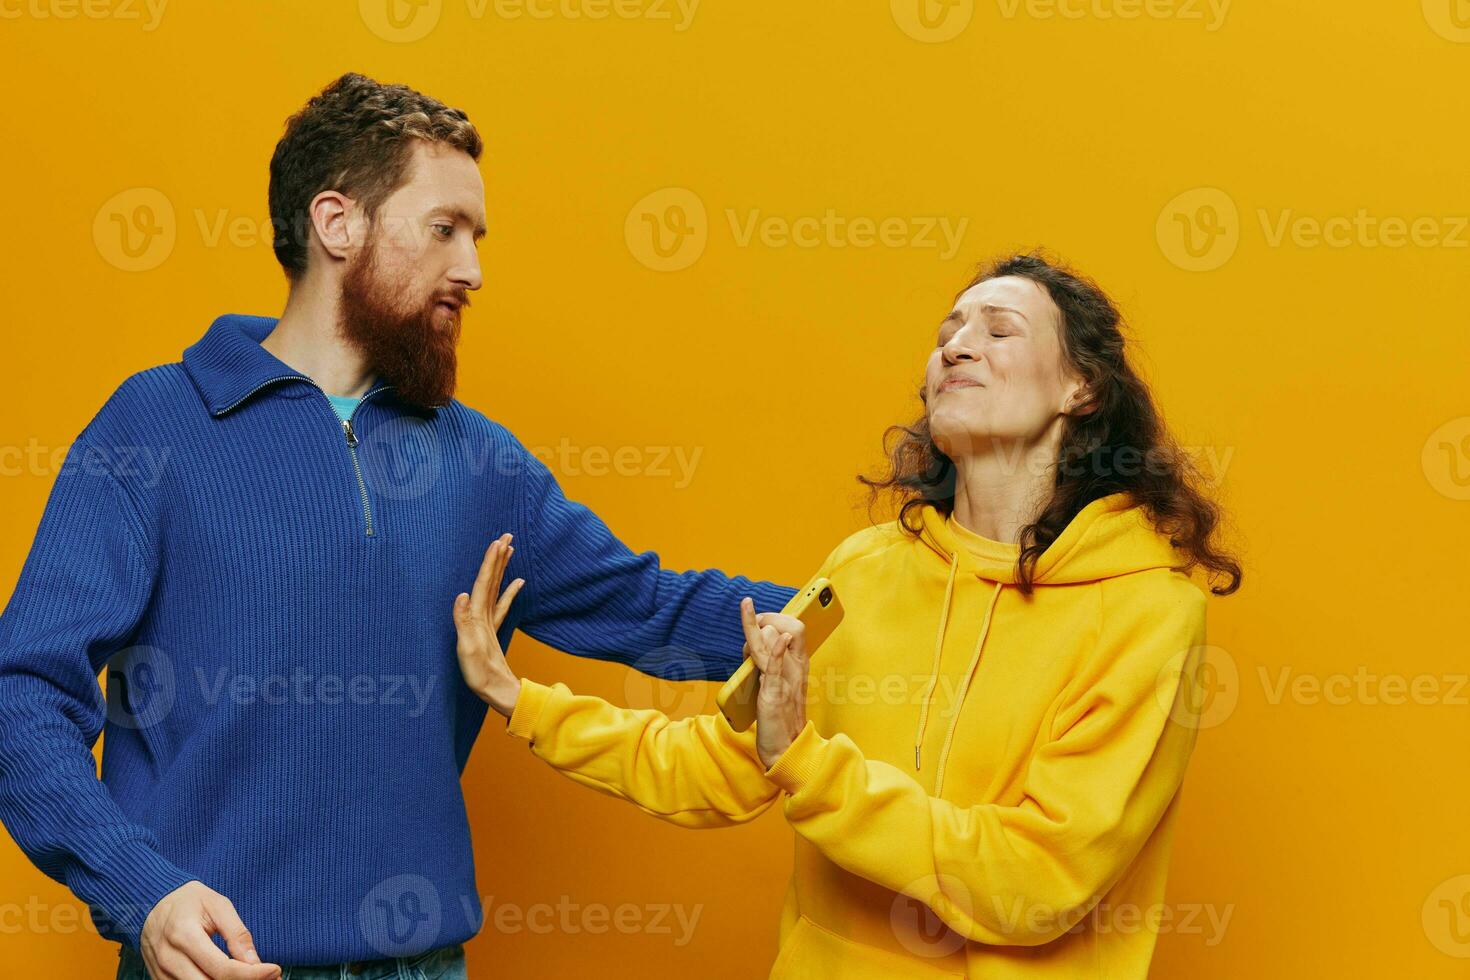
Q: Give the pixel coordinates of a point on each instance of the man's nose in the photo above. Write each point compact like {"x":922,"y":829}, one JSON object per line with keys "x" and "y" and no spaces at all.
{"x":466,"y":274}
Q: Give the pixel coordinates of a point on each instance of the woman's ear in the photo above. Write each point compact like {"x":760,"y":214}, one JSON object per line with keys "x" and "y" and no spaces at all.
{"x":1079,"y":400}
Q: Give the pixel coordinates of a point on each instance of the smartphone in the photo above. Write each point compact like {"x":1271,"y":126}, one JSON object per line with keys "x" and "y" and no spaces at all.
{"x":819,"y":610}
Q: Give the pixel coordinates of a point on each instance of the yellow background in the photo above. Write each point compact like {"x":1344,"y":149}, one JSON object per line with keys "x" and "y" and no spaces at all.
{"x":1327,"y":381}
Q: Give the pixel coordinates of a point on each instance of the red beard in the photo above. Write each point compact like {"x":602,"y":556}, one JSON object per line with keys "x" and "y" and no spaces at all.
{"x":412,"y":349}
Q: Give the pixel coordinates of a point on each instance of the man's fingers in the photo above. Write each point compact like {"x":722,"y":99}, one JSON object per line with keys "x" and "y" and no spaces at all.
{"x":174,"y":964}
{"x":223,"y":920}
{"x":205,"y":960}
{"x":237,"y":938}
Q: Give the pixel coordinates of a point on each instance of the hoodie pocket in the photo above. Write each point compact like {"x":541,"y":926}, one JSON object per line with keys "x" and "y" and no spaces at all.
{"x":812,"y":952}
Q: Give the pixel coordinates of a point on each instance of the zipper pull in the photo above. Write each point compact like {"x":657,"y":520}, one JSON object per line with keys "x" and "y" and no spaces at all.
{"x":351,"y":436}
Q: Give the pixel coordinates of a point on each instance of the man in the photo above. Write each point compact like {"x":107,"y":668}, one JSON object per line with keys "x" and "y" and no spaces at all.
{"x":286,"y":722}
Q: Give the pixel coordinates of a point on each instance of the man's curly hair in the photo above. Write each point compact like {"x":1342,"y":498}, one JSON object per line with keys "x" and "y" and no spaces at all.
{"x":357,"y":137}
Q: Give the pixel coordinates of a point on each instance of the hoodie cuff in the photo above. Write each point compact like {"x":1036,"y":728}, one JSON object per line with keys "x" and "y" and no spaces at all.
{"x":529,"y":705}
{"x":798,"y":765}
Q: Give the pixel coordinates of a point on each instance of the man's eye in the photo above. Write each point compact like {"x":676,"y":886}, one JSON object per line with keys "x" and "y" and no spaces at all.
{"x":994,"y":334}
{"x":445,"y":230}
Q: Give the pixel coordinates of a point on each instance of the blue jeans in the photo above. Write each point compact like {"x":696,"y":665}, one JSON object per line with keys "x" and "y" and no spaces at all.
{"x":446,"y":963}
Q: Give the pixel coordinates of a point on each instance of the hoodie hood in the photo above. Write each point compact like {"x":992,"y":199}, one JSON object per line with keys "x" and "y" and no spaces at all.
{"x":1108,"y":537}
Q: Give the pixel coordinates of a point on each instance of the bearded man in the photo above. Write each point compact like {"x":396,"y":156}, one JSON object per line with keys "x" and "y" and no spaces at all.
{"x":285,"y":715}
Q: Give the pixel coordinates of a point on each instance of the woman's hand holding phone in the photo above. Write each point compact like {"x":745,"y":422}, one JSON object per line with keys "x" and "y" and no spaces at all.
{"x":478,"y":616}
{"x":777,"y":644}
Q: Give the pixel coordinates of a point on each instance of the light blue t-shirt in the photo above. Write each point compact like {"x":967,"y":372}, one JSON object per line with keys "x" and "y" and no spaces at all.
{"x":344,"y":405}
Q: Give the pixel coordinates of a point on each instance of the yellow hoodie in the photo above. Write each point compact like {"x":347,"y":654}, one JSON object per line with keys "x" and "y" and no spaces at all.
{"x":987,"y":782}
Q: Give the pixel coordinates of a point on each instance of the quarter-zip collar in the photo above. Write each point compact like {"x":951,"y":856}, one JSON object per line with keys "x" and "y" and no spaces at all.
{"x":229,"y":366}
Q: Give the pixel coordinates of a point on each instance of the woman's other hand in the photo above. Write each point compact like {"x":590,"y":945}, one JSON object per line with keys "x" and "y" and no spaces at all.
{"x":478,"y":616}
{"x":777,"y":644}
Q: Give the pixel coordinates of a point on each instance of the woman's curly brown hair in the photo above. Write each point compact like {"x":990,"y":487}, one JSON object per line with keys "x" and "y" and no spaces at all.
{"x":1093,"y":460}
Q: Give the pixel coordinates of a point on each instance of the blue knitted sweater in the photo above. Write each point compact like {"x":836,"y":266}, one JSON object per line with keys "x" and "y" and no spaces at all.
{"x":271,"y":590}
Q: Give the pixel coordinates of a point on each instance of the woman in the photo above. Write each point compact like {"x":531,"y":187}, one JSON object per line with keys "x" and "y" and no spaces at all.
{"x":983,"y":764}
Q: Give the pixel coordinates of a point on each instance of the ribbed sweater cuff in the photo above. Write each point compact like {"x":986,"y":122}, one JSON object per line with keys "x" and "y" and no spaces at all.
{"x":798,"y":765}
{"x":529,"y":705}
{"x":132,"y":878}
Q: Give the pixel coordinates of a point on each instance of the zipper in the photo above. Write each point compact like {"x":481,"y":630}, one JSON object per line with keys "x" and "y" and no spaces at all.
{"x":352,"y":441}
{"x":347,"y":431}
{"x":267,"y":381}
{"x":367,"y":510}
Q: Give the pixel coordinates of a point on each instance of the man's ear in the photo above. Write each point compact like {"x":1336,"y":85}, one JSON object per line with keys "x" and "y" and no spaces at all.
{"x":331,"y":219}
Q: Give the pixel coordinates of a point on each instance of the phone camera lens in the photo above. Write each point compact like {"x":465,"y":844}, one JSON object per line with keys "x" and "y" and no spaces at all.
{"x":825,"y":598}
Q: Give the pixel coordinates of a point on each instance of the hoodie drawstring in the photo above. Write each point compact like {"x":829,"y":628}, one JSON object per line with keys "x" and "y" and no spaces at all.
{"x":965,"y":689}
{"x":954,"y":565}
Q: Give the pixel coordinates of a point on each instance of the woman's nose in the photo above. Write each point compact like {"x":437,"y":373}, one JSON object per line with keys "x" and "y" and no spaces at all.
{"x":956,"y":351}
